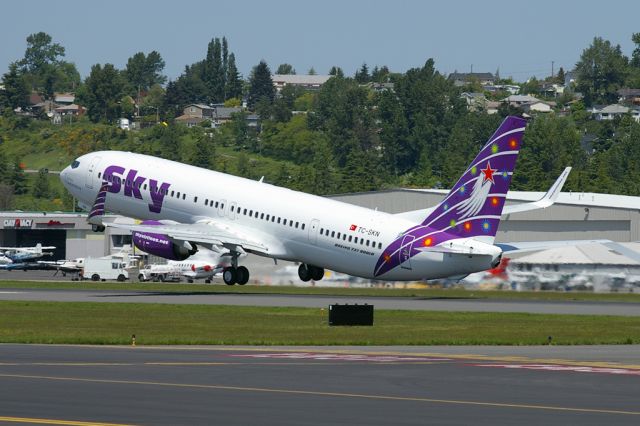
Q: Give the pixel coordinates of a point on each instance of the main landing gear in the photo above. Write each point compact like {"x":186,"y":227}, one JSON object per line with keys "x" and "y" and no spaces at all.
{"x":235,"y":274}
{"x":310,"y":272}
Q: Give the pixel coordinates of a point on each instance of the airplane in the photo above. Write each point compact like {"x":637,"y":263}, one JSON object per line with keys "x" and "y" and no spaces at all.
{"x":183,"y":207}
{"x":202,"y":265}
{"x":23,"y":254}
{"x":70,"y":266}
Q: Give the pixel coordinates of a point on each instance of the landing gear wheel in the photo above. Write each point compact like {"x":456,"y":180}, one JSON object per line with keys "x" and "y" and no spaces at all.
{"x":316,"y":273}
{"x":304,"y":273}
{"x":243,"y":275}
{"x":230,"y":276}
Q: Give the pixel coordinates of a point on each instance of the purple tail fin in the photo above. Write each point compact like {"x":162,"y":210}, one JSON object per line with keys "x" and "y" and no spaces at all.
{"x":474,"y":205}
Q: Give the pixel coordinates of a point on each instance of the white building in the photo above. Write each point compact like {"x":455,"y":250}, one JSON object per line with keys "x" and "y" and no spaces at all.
{"x":308,"y":82}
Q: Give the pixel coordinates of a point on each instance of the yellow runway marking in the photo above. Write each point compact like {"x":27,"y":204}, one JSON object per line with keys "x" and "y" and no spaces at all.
{"x":55,"y":422}
{"x":330,"y":394}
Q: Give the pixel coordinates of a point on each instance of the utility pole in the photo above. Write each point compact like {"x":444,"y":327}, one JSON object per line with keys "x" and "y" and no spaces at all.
{"x":552,"y":63}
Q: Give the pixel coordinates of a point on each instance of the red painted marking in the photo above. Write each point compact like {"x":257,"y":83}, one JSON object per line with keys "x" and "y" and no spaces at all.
{"x":338,"y":357}
{"x":574,"y":368}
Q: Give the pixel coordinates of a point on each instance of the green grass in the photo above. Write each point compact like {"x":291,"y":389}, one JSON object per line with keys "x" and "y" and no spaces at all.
{"x":410,"y":291}
{"x":157,"y":324}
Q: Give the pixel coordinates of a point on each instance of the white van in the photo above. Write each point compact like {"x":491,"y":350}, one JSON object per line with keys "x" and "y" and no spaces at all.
{"x":104,"y":269}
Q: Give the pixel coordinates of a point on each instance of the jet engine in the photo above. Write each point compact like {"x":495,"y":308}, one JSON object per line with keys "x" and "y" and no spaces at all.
{"x":161,"y":245}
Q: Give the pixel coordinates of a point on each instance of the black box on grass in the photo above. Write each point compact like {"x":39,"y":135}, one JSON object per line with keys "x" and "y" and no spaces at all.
{"x":350,"y":314}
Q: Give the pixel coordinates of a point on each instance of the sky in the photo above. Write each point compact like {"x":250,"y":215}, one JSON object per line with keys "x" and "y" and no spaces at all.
{"x":521,"y":39}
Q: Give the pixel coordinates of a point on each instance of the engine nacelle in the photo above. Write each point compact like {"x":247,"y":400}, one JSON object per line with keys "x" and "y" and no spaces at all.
{"x":161,"y":245}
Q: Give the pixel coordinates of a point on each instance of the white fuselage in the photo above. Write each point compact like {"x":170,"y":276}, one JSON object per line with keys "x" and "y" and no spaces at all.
{"x":297,"y":226}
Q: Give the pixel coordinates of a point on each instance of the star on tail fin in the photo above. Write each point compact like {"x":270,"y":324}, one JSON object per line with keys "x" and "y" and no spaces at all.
{"x":97,"y":210}
{"x":474,"y":205}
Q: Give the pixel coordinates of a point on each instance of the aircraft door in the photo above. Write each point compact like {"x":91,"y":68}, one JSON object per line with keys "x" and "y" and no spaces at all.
{"x":93,"y":165}
{"x":405,"y":252}
{"x":313,"y":231}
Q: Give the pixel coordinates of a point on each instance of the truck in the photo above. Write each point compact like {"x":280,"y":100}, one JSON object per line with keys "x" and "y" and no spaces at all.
{"x":169,"y":273}
{"x":104,"y":269}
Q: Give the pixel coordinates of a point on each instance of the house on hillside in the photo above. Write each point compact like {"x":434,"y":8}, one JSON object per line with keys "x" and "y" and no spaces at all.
{"x":217,"y":114}
{"x":629,"y":96}
{"x":307,"y":82}
{"x":475,"y":101}
{"x":610,"y":112}
{"x":518,"y":100}
{"x":461,"y":79}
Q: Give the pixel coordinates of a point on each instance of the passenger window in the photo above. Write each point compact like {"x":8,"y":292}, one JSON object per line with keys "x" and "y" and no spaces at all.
{"x":367,"y":243}
{"x":172,"y":192}
{"x":321,"y":231}
{"x":350,"y":238}
{"x":222,"y":206}
{"x":291,"y":222}
{"x":261,"y":215}
{"x":206,"y":202}
{"x":268,"y":218}
{"x":338,"y":235}
{"x":244,"y":212}
{"x":184,"y":196}
{"x":217,"y":204}
{"x":178,"y":195}
{"x":278,"y":221}
{"x":380,"y":245}
{"x":273,"y":218}
{"x":333,"y":234}
{"x":296,"y":225}
{"x":303,"y":226}
{"x":232,"y":209}
{"x":344,"y":237}
{"x":250,"y":213}
{"x":195,"y":199}
{"x":99,"y":173}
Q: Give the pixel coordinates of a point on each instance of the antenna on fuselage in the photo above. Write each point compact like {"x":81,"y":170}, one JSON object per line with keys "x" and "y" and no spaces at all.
{"x":261,"y":179}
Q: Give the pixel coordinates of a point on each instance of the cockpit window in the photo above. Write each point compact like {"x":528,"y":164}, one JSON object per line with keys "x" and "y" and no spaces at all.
{"x":75,"y":164}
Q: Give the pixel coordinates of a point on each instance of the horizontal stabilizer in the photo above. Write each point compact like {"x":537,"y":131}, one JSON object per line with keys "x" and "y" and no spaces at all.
{"x":547,"y":200}
{"x":529,"y":246}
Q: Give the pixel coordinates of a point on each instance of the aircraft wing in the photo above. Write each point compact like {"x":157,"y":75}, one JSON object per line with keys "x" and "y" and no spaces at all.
{"x":547,"y":200}
{"x":210,"y":233}
{"x":529,"y":246}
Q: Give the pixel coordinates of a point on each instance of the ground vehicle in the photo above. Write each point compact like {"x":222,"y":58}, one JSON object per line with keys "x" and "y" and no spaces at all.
{"x":159,"y":273}
{"x":104,"y":269}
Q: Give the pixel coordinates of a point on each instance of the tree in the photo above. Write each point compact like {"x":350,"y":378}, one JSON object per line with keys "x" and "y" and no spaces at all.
{"x":41,"y":188}
{"x":101,"y":93}
{"x":635,"y":56}
{"x":233,"y":86}
{"x":285,"y":69}
{"x":204,"y":152}
{"x":261,"y":85}
{"x":214,"y":76}
{"x":362,"y":75}
{"x":336,"y":71}
{"x":40,"y":52}
{"x":143,"y":71}
{"x":44,"y":68}
{"x":311,"y":71}
{"x":6,"y":197}
{"x":153,"y":101}
{"x":18,"y":178}
{"x":16,"y":92}
{"x":601,"y":71}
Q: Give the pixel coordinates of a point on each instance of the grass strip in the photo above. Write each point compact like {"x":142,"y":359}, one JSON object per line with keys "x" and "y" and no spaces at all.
{"x":411,"y":290}
{"x":159,"y":324}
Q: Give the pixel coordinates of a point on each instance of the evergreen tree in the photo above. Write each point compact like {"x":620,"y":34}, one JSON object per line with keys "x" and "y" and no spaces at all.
{"x":225,"y":60}
{"x":41,"y":188}
{"x":635,"y":56}
{"x":311,"y":71}
{"x":362,"y":75}
{"x":261,"y":85}
{"x":233,"y":87}
{"x":16,"y":91}
{"x":204,"y":152}
{"x":214,"y":72}
{"x":336,"y":71}
{"x":18,"y":179}
{"x":143,"y":71}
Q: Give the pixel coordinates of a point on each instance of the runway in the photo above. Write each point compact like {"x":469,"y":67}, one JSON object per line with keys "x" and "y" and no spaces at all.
{"x":312,"y":301}
{"x":313,"y":386}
